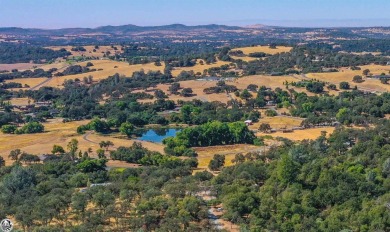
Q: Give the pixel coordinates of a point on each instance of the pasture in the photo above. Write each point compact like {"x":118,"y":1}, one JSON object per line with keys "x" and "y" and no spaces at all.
{"x":241,"y":83}
{"x":299,"y":135}
{"x":205,"y":154}
{"x":90,"y":50}
{"x":198,"y":67}
{"x":277,"y":122}
{"x":344,"y":74}
{"x":28,"y":81}
{"x":59,"y":133}
{"x":20,"y":101}
{"x":104,"y":69}
{"x":18,"y":66}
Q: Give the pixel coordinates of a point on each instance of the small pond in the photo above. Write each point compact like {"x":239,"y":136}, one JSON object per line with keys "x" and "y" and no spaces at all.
{"x":157,"y":135}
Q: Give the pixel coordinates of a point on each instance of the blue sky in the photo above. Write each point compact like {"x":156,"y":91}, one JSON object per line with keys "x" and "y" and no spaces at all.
{"x":93,"y":13}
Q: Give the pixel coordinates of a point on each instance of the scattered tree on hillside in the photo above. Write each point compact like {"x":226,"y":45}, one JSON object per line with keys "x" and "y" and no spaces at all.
{"x":357,"y":79}
{"x":217,"y":162}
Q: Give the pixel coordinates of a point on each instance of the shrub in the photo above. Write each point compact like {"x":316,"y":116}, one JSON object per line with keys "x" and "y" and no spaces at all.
{"x":357,"y":79}
{"x":344,"y":85}
{"x":31,"y":128}
{"x":8,"y":129}
{"x":271,"y":113}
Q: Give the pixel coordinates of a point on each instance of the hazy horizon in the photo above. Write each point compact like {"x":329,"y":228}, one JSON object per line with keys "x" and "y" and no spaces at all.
{"x":319,"y":23}
{"x":46,"y":14}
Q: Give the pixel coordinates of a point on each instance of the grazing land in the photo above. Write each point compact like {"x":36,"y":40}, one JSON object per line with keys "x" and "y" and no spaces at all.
{"x":198,"y":67}
{"x":242,"y":113}
{"x":91,"y":51}
{"x":19,"y":66}
{"x":278,"y":122}
{"x":59,"y":133}
{"x":298,"y":135}
{"x":205,"y":154}
{"x":28,"y":81}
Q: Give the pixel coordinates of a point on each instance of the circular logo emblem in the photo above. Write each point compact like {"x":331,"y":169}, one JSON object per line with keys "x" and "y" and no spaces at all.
{"x":6,"y":225}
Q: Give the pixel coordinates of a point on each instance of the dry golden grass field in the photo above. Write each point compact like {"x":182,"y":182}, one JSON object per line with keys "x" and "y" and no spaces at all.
{"x":199,"y":85}
{"x":18,"y":66}
{"x":205,"y":154}
{"x":20,"y":101}
{"x":347,"y":75}
{"x":265,"y":49}
{"x":29,"y":81}
{"x":197,"y":88}
{"x":277,"y":122}
{"x":198,"y":67}
{"x":57,"y":132}
{"x":108,"y":67}
{"x":299,"y":135}
{"x":89,"y":50}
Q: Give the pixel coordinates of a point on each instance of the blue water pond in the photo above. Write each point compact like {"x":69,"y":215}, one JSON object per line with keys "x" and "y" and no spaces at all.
{"x":157,"y":135}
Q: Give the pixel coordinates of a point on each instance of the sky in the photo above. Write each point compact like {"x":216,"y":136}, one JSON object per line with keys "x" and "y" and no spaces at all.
{"x":94,"y":13}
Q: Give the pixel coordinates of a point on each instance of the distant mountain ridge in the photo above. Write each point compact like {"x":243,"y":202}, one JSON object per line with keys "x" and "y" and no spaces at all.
{"x":123,"y":29}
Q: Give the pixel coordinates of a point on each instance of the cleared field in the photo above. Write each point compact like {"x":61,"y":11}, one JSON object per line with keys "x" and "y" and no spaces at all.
{"x":277,"y":122}
{"x":199,"y":85}
{"x":198,"y":67}
{"x":20,"y":101}
{"x":265,"y":49}
{"x":90,"y":50}
{"x":108,"y":67}
{"x":60,"y":64}
{"x":57,"y":132}
{"x":197,"y":88}
{"x":18,"y":66}
{"x":347,"y":75}
{"x":268,"y":81}
{"x":205,"y":154}
{"x":28,"y":81}
{"x":298,"y":135}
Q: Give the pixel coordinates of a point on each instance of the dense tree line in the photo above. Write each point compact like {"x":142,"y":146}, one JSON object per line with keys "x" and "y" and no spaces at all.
{"x":334,"y":184}
{"x":42,"y":197}
{"x":209,"y":134}
{"x":21,"y":53}
{"x":309,"y":59}
{"x":27,"y":74}
{"x":353,"y":107}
